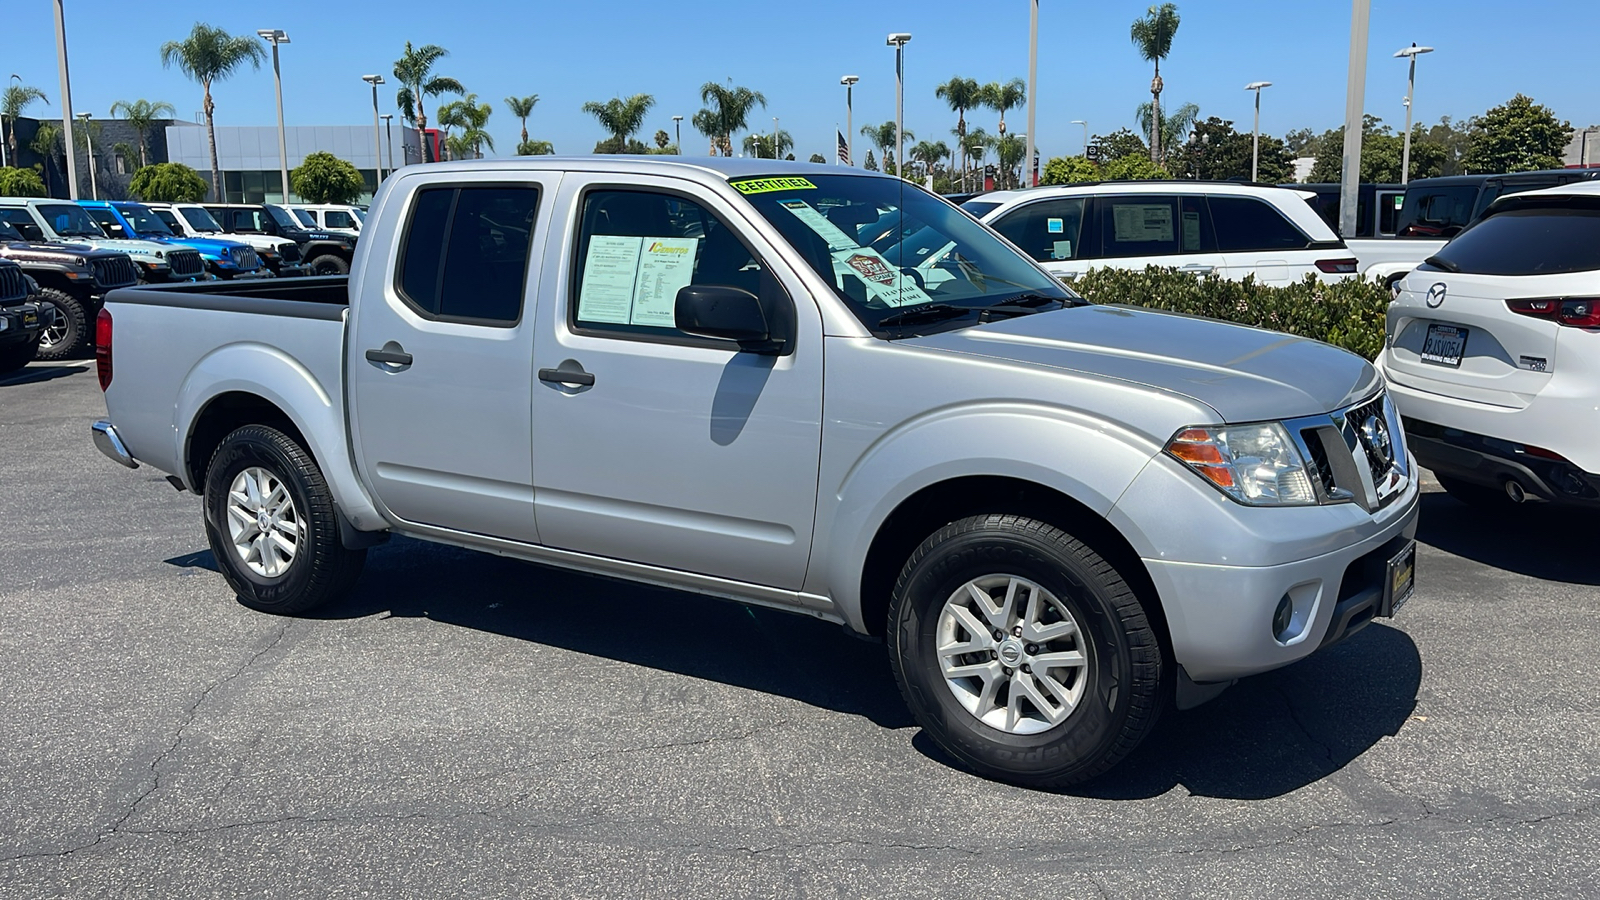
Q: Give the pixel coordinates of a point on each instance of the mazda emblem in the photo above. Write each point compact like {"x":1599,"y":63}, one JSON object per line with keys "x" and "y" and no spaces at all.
{"x":1435,"y":297}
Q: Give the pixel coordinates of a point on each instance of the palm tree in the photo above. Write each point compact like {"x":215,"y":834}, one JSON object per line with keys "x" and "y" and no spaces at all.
{"x":1152,"y":35}
{"x":1173,"y":127}
{"x":445,"y":117}
{"x":883,"y":137}
{"x":414,"y":71}
{"x":141,"y":114}
{"x":1001,"y":97}
{"x":535,"y":148}
{"x":623,"y":118}
{"x":760,"y":145}
{"x":726,"y":112}
{"x":206,"y":55}
{"x":15,"y":101}
{"x":474,"y":121}
{"x":47,"y":143}
{"x":976,"y":145}
{"x":1009,"y":150}
{"x":522,"y":108}
{"x":929,"y":154}
{"x":962,"y":94}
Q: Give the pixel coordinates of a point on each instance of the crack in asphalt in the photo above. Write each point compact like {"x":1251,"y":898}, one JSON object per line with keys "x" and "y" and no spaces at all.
{"x":1294,"y":716}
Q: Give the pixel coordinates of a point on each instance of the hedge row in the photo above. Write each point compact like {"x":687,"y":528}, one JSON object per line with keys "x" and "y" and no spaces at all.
{"x":1347,"y":314}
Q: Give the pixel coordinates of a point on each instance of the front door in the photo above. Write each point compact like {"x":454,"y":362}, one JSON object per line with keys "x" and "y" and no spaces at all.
{"x":440,"y":355}
{"x":652,"y":445}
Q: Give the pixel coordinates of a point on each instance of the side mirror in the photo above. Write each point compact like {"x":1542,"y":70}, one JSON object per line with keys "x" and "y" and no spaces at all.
{"x":729,"y":313}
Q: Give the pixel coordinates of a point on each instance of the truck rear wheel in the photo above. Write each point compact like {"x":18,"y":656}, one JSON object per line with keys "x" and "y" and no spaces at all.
{"x":1022,"y":652}
{"x":65,"y":337}
{"x":271,"y":523}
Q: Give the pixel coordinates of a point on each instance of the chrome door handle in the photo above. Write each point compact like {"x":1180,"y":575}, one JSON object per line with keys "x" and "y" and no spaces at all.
{"x":1196,"y":269}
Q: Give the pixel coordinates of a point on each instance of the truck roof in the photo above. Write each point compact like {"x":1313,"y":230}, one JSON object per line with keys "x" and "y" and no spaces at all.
{"x":727,"y":167}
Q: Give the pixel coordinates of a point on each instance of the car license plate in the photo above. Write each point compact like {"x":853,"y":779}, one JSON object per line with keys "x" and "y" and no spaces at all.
{"x":30,"y":319}
{"x":1401,"y":580}
{"x":1443,"y":345}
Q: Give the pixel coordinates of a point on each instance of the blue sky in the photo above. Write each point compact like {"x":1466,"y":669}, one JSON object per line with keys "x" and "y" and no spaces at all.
{"x":568,"y":53}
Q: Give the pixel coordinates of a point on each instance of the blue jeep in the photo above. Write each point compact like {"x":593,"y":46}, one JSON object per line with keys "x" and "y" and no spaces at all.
{"x":127,"y":219}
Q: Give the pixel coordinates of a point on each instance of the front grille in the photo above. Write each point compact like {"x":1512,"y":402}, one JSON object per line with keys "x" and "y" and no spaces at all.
{"x":185,"y":263}
{"x":13,"y":287}
{"x":245,"y":258}
{"x":1319,"y":459}
{"x":113,"y":272}
{"x":290,"y":253}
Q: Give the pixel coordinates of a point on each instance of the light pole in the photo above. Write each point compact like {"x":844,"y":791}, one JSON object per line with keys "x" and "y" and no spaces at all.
{"x":849,"y":82}
{"x":3,"y":160}
{"x":1355,"y":93}
{"x":88,"y":140}
{"x":377,"y":136}
{"x":1085,"y":136}
{"x":774,"y":137}
{"x":66,"y":103}
{"x":898,"y":41}
{"x":1411,"y":52}
{"x":1033,"y":83}
{"x":1255,"y":133}
{"x":388,"y":137}
{"x":275,"y":36}
{"x":677,"y":134}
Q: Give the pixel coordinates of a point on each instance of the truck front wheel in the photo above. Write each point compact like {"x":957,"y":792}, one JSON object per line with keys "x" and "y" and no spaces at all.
{"x":1022,"y":652}
{"x":68,"y":333}
{"x":272,"y":526}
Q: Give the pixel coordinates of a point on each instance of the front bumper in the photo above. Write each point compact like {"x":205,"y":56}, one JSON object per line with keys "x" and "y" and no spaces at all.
{"x":110,"y":443}
{"x":21,"y":323}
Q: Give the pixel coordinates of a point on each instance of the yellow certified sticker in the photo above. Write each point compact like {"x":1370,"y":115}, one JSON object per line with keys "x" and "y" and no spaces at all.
{"x":768,"y":185}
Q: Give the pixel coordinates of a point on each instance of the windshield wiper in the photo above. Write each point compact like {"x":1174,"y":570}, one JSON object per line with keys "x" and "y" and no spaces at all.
{"x":1021,"y":305}
{"x":1444,"y":264}
{"x":928,"y":312}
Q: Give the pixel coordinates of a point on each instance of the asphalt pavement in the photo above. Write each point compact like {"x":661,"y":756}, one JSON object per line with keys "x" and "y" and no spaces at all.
{"x":470,"y":726}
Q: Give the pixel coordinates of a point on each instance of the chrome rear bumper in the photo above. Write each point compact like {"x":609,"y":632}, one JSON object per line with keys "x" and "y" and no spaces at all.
{"x":106,"y":438}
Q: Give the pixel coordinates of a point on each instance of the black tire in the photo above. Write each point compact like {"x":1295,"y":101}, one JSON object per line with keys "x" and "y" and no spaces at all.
{"x":321,"y":568}
{"x":70,"y":335}
{"x":1122,"y":696}
{"x":16,"y":356}
{"x":329,"y":264}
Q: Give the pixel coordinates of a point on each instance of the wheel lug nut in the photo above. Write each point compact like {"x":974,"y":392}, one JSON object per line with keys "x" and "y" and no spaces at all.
{"x":1006,"y":669}
{"x":1028,"y":669}
{"x":1016,"y":631}
{"x":1033,"y":648}
{"x":999,"y":635}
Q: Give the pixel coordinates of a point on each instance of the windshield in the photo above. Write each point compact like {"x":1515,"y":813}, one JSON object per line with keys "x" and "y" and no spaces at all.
{"x":896,"y":254}
{"x":9,"y":233}
{"x":360,"y":214}
{"x":1436,"y":212}
{"x":282,"y":217}
{"x":70,"y":221}
{"x":144,"y":221}
{"x":305,"y":218}
{"x":200,"y":219}
{"x":979,"y":208}
{"x":1541,"y":238}
{"x":168,"y":219}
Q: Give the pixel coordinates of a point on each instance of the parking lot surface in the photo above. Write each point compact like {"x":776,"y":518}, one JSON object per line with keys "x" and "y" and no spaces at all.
{"x":466,"y":725}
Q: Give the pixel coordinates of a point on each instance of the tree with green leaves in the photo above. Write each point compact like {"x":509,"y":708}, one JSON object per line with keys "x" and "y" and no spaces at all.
{"x":883,"y":137}
{"x":1068,"y":170}
{"x":621,"y":117}
{"x":522,"y":108}
{"x":1217,"y":152}
{"x":976,"y":145}
{"x":928,"y":154}
{"x":168,"y":182}
{"x":414,"y":71}
{"x":1174,"y":128}
{"x":325,"y":178}
{"x":1117,"y":144}
{"x":15,"y":182}
{"x":727,"y":111}
{"x":761,"y":145}
{"x":1152,"y":36}
{"x":1009,"y":151}
{"x":1001,"y":97}
{"x":872,"y":163}
{"x":961,"y":94}
{"x":209,"y":55}
{"x":13,"y":103}
{"x":662,"y":139}
{"x":818,"y":158}
{"x":1381,"y":151}
{"x":471,"y":117}
{"x":1517,"y":136}
{"x":535,"y":148}
{"x":141,"y":114}
{"x":47,"y":143}
{"x":1132,"y":168}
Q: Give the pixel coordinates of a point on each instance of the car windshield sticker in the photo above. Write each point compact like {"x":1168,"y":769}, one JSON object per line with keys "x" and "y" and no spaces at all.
{"x":1191,"y":231}
{"x":884,"y":283}
{"x":630,"y":280}
{"x":817,"y":222}
{"x":768,"y":185}
{"x":1141,"y":222}
{"x":1055,"y":226}
{"x":1061,"y":250}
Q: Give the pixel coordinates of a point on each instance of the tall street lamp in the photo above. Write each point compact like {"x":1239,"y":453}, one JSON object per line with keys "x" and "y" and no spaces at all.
{"x":1085,"y":136}
{"x":849,"y":82}
{"x":1411,"y":53}
{"x":388,"y":137}
{"x":1255,"y":133}
{"x":3,"y":161}
{"x":1033,"y":80}
{"x":88,"y":139}
{"x":66,"y":103}
{"x":275,"y":36}
{"x":898,"y":41}
{"x":774,"y":137}
{"x":377,"y":136}
{"x":677,"y":134}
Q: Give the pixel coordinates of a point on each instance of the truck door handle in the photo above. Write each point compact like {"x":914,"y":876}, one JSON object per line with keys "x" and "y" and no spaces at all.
{"x":392,"y":354}
{"x":569,"y":373}
{"x":1197,"y":269}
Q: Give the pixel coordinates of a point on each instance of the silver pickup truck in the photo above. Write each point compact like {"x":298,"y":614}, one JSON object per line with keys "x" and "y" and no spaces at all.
{"x":819,"y":390}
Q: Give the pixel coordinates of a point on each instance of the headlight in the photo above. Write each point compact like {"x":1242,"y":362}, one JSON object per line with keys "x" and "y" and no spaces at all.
{"x":1257,"y":465}
{"x":159,"y":254}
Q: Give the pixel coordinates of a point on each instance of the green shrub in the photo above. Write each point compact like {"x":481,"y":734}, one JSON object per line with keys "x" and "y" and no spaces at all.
{"x":20,"y":183}
{"x":1347,"y":314}
{"x":1069,"y":169}
{"x":170,"y":182}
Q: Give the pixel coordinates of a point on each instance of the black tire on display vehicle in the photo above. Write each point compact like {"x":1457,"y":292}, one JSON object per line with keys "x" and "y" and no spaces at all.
{"x":272,"y":526}
{"x":329,"y":264}
{"x":69,"y":334}
{"x":1022,"y":652}
{"x":16,"y":356}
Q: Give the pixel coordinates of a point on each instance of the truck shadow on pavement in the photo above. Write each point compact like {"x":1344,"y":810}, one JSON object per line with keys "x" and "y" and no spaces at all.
{"x":36,"y":374}
{"x":1541,"y":542}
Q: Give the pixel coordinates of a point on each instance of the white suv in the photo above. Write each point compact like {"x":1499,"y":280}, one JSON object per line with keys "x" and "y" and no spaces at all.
{"x":1493,"y":352}
{"x":340,"y":217}
{"x":1231,"y":229}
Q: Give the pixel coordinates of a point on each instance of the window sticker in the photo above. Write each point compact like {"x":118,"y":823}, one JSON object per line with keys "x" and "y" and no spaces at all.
{"x":1191,"y":231}
{"x":666,"y":265}
{"x":630,"y":280}
{"x":884,"y":283}
{"x":1061,"y":250}
{"x":817,"y":222}
{"x":768,"y":185}
{"x":1055,"y":226}
{"x":1133,"y":223}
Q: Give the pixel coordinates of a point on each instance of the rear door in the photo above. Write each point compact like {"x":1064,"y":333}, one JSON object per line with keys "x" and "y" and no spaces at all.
{"x":1135,"y":230}
{"x":1051,"y":231}
{"x":1255,"y":239}
{"x":440,"y":353}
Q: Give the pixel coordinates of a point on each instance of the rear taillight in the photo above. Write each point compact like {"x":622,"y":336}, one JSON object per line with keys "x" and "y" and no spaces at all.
{"x":1345,"y":266}
{"x":1574,"y":312}
{"x":102,"y":347}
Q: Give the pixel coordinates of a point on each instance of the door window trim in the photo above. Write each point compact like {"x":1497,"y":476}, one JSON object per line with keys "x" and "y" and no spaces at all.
{"x":396,"y":283}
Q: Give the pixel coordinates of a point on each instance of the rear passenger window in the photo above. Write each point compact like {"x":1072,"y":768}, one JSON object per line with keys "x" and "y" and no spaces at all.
{"x":24,"y":223}
{"x":1153,"y":225}
{"x":338,"y":219}
{"x":1245,"y":223}
{"x":637,"y":249}
{"x":1047,"y":231}
{"x":466,"y":253}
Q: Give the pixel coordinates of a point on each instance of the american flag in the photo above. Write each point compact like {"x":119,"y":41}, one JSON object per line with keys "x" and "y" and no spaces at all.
{"x":844,"y":149}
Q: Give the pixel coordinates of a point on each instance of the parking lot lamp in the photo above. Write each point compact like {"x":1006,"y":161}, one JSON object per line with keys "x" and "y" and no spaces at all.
{"x":677,"y":134}
{"x":88,"y":139}
{"x":275,"y":36}
{"x":1085,"y":136}
{"x":1411,"y":53}
{"x":1033,"y":83}
{"x":898,"y":41}
{"x":377,"y":135}
{"x":66,"y":103}
{"x":1255,"y":133}
{"x":388,"y":137}
{"x":849,"y":82}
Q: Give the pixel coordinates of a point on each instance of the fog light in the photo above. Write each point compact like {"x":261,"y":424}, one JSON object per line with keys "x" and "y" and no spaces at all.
{"x":1282,"y":619}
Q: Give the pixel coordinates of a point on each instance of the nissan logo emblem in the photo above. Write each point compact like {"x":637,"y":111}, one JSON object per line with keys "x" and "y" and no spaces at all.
{"x":1435,"y":297}
{"x":1376,"y":432}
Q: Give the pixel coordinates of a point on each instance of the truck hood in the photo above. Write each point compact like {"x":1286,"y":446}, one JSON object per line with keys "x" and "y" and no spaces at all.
{"x":207,"y":246}
{"x":1245,"y":374}
{"x":134,"y":248}
{"x":26,"y":250}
